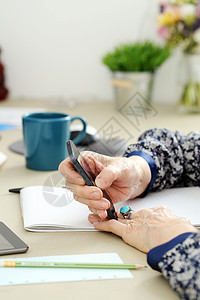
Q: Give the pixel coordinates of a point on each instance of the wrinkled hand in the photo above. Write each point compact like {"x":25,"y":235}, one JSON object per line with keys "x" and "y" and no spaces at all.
{"x":146,"y":228}
{"x":122,"y":178}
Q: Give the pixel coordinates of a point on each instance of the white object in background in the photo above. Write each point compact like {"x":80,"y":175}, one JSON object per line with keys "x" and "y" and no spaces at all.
{"x":3,"y":158}
{"x":13,"y":115}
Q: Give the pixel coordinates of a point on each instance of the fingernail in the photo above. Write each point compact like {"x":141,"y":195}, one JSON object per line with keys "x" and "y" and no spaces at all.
{"x":96,"y":195}
{"x":103,"y":214}
{"x":100,"y":183}
{"x":104,"y":205}
{"x":91,"y":217}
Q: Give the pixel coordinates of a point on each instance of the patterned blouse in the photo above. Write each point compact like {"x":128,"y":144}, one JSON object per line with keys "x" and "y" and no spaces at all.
{"x":174,"y":160}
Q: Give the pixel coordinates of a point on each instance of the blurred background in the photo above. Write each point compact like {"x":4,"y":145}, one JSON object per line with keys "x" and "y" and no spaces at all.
{"x":53,"y":49}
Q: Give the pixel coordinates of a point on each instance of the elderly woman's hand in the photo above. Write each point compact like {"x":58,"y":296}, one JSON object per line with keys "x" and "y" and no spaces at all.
{"x":146,"y":228}
{"x":122,"y":178}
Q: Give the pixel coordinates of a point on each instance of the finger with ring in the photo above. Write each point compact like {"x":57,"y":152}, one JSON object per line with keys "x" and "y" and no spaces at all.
{"x":126,"y":212}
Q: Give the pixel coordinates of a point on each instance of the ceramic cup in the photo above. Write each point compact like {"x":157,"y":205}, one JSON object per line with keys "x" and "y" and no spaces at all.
{"x":45,"y":136}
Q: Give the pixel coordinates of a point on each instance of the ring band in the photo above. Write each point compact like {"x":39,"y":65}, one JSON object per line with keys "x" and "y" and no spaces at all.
{"x":126,"y":212}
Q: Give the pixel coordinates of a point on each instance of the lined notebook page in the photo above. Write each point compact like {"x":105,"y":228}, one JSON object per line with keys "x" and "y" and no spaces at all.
{"x":53,"y":209}
{"x":47,"y":208}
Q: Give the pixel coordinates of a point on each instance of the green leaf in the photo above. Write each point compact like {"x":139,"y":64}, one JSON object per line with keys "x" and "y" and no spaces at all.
{"x":136,"y":57}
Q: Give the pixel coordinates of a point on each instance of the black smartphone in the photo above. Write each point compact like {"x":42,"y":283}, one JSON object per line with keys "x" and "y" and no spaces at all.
{"x":84,"y":170}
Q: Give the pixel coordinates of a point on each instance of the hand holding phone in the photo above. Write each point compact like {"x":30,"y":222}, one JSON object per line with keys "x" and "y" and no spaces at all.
{"x":84,"y":170}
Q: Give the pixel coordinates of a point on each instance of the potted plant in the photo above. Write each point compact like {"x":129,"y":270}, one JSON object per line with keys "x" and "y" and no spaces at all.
{"x":133,"y":66}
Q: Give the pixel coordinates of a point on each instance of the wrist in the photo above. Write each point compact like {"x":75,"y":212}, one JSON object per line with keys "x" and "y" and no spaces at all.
{"x":144,"y":172}
{"x":149,"y":160}
{"x":177,"y":227}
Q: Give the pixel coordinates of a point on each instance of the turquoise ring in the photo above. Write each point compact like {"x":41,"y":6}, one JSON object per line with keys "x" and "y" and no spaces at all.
{"x":126,"y":212}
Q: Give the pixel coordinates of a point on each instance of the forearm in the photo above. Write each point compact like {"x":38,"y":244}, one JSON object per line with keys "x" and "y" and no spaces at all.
{"x":179,"y":262}
{"x":176,"y":157}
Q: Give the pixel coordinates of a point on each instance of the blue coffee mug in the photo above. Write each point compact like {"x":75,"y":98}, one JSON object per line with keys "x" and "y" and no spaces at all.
{"x":45,"y":136}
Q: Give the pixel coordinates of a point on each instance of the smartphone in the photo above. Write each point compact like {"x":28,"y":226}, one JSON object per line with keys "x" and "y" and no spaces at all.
{"x":84,"y":170}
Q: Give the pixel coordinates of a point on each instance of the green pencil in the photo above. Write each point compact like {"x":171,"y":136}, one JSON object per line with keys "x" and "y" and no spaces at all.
{"x":39,"y":264}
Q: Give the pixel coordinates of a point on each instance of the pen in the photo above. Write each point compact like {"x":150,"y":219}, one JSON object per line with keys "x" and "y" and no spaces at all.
{"x":27,"y":264}
{"x":110,"y":211}
{"x":17,"y":190}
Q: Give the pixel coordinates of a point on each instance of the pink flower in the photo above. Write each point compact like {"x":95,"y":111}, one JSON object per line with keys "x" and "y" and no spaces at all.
{"x":163,"y":32}
{"x":198,"y":9}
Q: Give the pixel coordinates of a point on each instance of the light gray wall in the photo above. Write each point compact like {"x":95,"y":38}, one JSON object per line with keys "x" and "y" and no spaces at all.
{"x":53,"y":48}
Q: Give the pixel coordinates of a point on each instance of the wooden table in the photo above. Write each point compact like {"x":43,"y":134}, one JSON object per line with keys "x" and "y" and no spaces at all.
{"x":146,"y":284}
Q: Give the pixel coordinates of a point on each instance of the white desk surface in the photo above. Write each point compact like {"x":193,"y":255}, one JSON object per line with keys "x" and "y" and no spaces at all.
{"x":146,"y":284}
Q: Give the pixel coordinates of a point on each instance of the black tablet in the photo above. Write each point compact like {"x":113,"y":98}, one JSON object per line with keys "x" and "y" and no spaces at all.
{"x":9,"y":242}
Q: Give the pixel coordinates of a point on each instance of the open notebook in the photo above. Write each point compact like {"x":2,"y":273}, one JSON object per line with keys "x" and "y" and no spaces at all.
{"x":54,"y":209}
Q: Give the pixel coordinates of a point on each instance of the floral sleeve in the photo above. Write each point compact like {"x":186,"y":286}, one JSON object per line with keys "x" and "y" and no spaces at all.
{"x":179,"y":262}
{"x":176,"y":157}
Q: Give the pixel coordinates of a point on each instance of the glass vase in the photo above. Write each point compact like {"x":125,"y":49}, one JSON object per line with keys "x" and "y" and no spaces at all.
{"x":190,"y":98}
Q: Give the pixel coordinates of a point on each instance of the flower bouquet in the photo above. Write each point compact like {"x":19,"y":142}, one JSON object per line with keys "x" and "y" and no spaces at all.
{"x":179,"y":26}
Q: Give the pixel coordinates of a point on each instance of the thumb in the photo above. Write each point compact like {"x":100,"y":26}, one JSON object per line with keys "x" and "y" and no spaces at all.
{"x":107,"y":176}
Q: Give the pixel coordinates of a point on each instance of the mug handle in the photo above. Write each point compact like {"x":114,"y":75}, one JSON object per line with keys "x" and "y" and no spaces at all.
{"x":82,"y":133}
